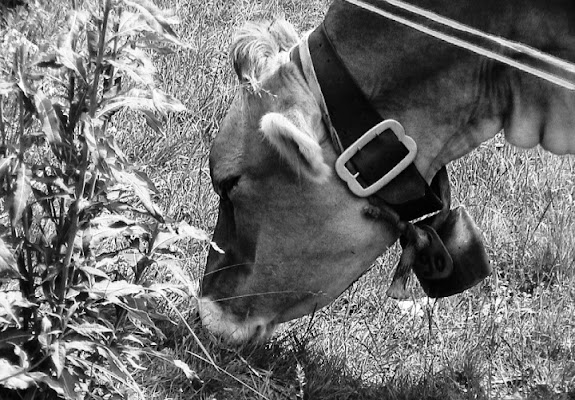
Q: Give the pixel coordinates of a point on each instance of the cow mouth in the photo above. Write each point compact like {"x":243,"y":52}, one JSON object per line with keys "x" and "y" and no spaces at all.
{"x":229,"y":328}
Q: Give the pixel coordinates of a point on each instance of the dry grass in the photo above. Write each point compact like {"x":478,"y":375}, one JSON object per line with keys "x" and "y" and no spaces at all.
{"x":512,"y":337}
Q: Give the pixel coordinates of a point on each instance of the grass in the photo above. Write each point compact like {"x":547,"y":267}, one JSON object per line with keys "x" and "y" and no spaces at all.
{"x":512,"y":337}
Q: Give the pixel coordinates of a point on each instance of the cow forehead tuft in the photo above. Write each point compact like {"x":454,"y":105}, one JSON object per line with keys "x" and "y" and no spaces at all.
{"x":239,"y":135}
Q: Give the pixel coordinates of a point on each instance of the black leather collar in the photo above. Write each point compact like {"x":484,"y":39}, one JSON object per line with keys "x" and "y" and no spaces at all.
{"x":352,"y":115}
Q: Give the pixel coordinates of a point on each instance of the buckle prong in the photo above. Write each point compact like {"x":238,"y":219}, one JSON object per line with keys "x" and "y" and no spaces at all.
{"x":351,"y":179}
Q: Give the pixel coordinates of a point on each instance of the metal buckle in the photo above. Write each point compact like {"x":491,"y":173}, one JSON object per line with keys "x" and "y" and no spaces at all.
{"x":351,"y":179}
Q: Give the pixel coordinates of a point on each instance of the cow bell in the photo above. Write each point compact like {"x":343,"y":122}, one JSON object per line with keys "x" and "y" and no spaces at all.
{"x":463,"y":241}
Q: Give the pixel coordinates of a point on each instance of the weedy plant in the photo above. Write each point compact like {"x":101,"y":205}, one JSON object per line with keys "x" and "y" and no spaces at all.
{"x":78,"y":225}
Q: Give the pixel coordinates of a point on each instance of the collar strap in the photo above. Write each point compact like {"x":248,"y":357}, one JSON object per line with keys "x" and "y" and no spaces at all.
{"x":349,"y":115}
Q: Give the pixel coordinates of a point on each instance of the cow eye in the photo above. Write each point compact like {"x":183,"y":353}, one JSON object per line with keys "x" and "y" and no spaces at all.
{"x":226,"y":187}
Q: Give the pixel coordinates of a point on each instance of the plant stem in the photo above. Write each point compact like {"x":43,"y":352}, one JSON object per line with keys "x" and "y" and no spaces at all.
{"x":73,"y":229}
{"x":98,"y":69}
{"x":2,"y":129}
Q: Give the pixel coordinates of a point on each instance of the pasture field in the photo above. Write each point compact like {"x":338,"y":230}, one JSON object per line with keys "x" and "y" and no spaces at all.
{"x":511,"y":337}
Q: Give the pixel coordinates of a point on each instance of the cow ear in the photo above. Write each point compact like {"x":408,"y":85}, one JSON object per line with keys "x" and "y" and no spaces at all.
{"x":300,"y":149}
{"x":257,"y":48}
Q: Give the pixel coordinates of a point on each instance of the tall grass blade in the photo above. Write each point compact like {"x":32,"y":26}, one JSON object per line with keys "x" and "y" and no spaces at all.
{"x":19,"y":198}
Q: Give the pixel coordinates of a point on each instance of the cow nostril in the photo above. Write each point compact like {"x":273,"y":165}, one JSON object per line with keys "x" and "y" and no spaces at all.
{"x":264,"y":330}
{"x":259,"y":331}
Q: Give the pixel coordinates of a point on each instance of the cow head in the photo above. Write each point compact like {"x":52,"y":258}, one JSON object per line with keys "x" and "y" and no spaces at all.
{"x":293,"y":236}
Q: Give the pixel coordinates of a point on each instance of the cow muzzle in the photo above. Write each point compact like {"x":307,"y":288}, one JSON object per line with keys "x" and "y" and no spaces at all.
{"x":229,"y":328}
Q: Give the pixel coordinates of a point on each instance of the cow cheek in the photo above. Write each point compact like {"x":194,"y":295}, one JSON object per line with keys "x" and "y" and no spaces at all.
{"x":227,"y":272}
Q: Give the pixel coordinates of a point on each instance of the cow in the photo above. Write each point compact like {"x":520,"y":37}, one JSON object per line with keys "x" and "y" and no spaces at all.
{"x":292,"y":234}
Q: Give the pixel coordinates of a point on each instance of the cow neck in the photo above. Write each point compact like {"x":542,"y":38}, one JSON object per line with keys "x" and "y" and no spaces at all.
{"x":348,"y":114}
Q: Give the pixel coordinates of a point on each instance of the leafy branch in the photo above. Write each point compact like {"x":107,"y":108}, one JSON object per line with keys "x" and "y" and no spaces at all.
{"x":79,"y":227}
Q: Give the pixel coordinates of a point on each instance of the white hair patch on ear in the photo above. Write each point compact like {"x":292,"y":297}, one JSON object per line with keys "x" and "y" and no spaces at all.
{"x":293,"y":144}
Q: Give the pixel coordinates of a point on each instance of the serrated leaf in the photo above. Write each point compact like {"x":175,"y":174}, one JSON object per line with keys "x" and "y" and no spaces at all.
{"x":153,"y":122}
{"x":76,"y":20}
{"x":108,"y":289}
{"x":19,"y":197}
{"x":13,"y":376}
{"x":135,"y":72}
{"x":23,"y":52}
{"x":157,"y":18}
{"x":151,"y":33}
{"x":139,"y":99}
{"x":8,"y":267}
{"x":166,"y":103}
{"x":141,"y":188}
{"x":135,"y":64}
{"x":80,"y":345}
{"x":106,"y":156}
{"x":94,"y":272}
{"x":22,"y":356}
{"x":90,"y":330}
{"x":110,"y":106}
{"x":164,"y":239}
{"x":48,"y":117}
{"x":73,"y":61}
{"x":67,"y":43}
{"x":145,"y":178}
{"x":156,"y":42}
{"x":186,"y":230}
{"x":109,"y":232}
{"x":58,"y":357}
{"x":131,"y":24}
{"x":138,"y":310}
{"x":170,"y":287}
{"x":135,"y":365}
{"x":190,"y":374}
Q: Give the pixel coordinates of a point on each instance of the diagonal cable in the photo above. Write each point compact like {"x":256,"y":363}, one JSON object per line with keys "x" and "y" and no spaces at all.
{"x":515,"y":49}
